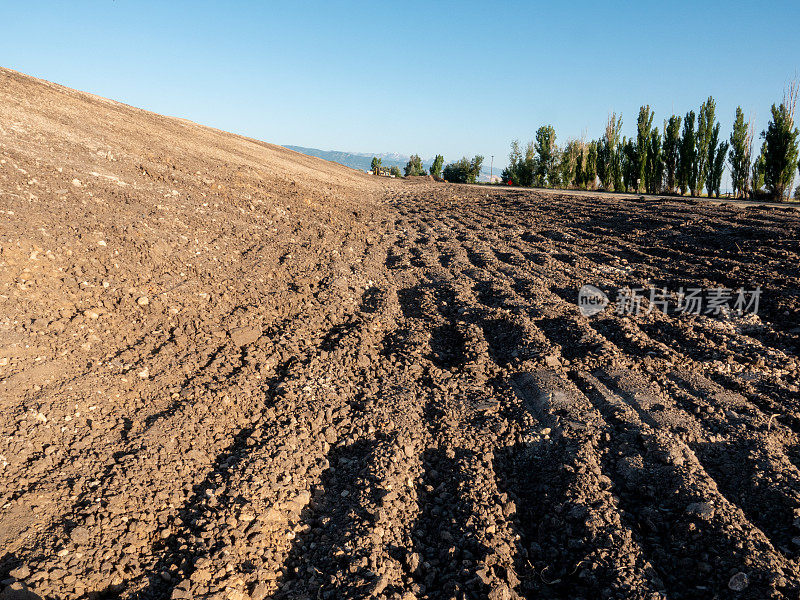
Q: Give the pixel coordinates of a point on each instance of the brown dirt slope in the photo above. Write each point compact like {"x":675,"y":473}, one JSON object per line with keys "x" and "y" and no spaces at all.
{"x":231,"y":371}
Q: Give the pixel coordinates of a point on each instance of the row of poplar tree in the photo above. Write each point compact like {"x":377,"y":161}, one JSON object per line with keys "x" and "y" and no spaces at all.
{"x":688,"y":157}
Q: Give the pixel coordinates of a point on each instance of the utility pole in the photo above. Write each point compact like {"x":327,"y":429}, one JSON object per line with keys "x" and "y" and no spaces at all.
{"x":491,"y":170}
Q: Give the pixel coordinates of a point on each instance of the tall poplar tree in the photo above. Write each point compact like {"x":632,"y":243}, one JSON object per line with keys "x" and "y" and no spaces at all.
{"x":654,"y":165}
{"x":643,"y":124}
{"x":609,"y":167}
{"x":686,"y":155}
{"x":705,"y":127}
{"x":672,"y":138}
{"x":739,"y":156}
{"x":757,"y":178}
{"x":590,"y":169}
{"x":630,"y":164}
{"x":715,"y":163}
{"x":780,"y":151}
{"x":547,"y":156}
{"x":436,"y":167}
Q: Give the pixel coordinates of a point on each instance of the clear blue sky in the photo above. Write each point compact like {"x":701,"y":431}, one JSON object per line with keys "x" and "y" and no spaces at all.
{"x":437,"y":77}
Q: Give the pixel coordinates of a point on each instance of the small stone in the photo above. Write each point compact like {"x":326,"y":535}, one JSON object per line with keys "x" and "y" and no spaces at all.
{"x":738,"y":582}
{"x":413,"y":561}
{"x":484,"y":576}
{"x":704,"y":510}
{"x":143,"y":301}
{"x":80,"y":536}
{"x":201,"y":576}
{"x":76,"y":182}
{"x":552,"y":361}
{"x":379,"y":586}
{"x":409,"y":450}
{"x":20,"y":572}
{"x":501,"y":592}
{"x":272,"y":515}
{"x":302,"y":499}
{"x":330,"y":435}
{"x":144,"y":373}
{"x":242,"y":336}
{"x":259,"y":592}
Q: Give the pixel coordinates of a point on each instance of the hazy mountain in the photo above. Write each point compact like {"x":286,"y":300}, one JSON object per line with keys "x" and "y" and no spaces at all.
{"x":363,"y":160}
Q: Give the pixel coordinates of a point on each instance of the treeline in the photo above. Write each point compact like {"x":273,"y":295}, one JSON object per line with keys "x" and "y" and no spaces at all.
{"x":464,"y":170}
{"x":687,"y":155}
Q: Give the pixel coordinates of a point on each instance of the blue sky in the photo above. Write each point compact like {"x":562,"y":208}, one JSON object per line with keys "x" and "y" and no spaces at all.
{"x":438,"y":77}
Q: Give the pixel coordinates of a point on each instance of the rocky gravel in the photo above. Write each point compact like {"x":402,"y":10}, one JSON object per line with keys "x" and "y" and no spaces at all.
{"x":231,"y":371}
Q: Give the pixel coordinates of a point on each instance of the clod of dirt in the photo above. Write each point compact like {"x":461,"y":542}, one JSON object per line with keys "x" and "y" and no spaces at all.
{"x":738,"y":582}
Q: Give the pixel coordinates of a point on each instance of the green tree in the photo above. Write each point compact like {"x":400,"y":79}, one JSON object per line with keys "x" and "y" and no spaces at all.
{"x":780,"y":151}
{"x":669,"y":152}
{"x":475,"y":168}
{"x":528,"y":167}
{"x":654,"y":164}
{"x":546,"y":156}
{"x":376,"y":165}
{"x":590,"y":168}
{"x":705,"y":127}
{"x":739,"y":157}
{"x":395,"y":171}
{"x":686,"y":155}
{"x":463,"y":170}
{"x":757,"y":178}
{"x":521,"y":167}
{"x":643,"y":125}
{"x":414,"y":166}
{"x":568,"y":163}
{"x":715,"y":164}
{"x":630,"y":164}
{"x":602,"y":163}
{"x":719,"y":166}
{"x":457,"y":172}
{"x":711,"y":155}
{"x":609,"y":163}
{"x":616,"y":166}
{"x":436,"y":167}
{"x":511,"y":172}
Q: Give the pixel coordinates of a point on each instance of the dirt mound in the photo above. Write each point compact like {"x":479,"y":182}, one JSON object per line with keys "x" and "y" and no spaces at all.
{"x":228,"y":370}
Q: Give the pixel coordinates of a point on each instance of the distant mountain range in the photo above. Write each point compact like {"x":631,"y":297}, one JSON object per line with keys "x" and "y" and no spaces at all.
{"x":363,"y":160}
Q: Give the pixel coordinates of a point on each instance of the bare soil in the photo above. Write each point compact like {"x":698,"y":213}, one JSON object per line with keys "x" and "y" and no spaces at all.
{"x":231,"y":371}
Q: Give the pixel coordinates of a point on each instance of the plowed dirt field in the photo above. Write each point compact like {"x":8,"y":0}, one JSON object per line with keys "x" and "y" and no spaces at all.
{"x":231,"y":371}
